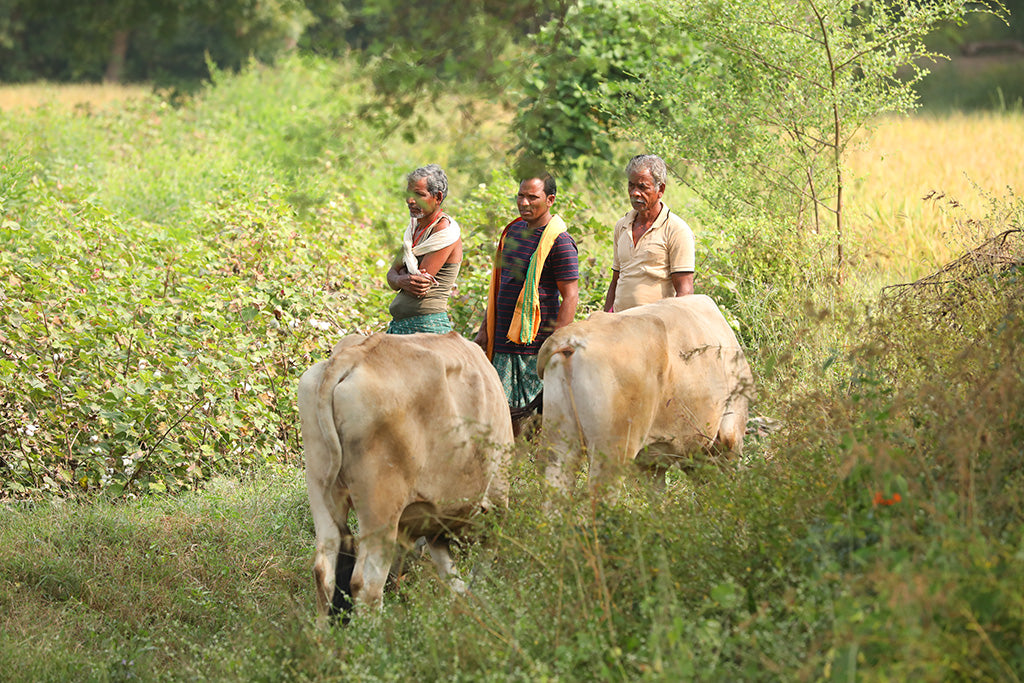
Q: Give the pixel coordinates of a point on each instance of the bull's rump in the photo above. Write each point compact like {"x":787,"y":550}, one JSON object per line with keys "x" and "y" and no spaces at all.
{"x":421,"y":417}
{"x":602,"y":379}
{"x":667,"y":373}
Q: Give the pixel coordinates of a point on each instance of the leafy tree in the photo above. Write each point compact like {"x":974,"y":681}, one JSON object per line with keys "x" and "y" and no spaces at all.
{"x":140,"y":39}
{"x":782,"y":87}
{"x":418,"y":53}
{"x":575,"y":88}
{"x":328,"y":29}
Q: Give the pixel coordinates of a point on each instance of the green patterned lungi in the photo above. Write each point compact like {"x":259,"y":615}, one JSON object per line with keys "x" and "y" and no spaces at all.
{"x":436,"y":323}
{"x":518,"y":377}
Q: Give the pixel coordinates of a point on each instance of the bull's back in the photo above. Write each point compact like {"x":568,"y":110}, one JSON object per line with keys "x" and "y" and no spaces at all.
{"x":692,"y":321}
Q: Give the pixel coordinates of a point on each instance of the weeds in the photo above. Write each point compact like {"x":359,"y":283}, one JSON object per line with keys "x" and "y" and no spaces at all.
{"x":159,"y":300}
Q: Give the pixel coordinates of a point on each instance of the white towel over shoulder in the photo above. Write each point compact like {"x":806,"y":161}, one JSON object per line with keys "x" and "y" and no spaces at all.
{"x":438,"y":239}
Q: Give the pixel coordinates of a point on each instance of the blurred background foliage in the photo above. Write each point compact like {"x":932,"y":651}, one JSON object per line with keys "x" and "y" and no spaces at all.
{"x":230,"y":194}
{"x":412,"y":47}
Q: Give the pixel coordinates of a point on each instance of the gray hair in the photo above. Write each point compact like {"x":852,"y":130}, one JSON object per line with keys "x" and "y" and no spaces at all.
{"x":649,"y":162}
{"x":437,"y":181}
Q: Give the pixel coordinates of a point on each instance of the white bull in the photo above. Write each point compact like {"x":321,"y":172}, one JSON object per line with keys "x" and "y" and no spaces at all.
{"x":662,"y":381}
{"x":410,"y":431}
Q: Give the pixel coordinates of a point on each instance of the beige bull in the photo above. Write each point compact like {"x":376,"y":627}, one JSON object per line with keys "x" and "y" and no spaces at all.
{"x":656,"y":383}
{"x":412,"y":433}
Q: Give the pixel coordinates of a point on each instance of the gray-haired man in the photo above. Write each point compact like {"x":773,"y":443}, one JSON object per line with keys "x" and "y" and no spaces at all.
{"x":654,"y":255}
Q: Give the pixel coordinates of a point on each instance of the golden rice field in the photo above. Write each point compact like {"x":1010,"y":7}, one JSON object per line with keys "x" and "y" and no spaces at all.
{"x":30,"y":95}
{"x":968,"y":159}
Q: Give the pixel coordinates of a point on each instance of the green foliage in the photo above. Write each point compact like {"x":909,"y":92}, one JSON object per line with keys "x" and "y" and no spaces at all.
{"x":144,"y":591}
{"x":170,"y":271}
{"x":141,"y":362}
{"x":419,"y":54}
{"x":162,"y":41}
{"x":963,"y":86}
{"x":155,"y":316}
{"x":926,"y":525}
{"x":167,"y":272}
{"x":573,"y":91}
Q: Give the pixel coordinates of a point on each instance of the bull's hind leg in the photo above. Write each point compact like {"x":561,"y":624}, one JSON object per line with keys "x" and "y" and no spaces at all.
{"x":378,"y":514}
{"x":334,"y":555}
{"x":611,"y":451}
{"x":373,"y":563}
{"x":561,"y":432}
{"x":733,"y":425}
{"x":440,"y":553}
{"x":732,"y":428}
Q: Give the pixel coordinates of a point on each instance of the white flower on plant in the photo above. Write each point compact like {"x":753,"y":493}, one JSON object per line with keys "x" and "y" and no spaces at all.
{"x":320,"y":324}
{"x":380,"y":263}
{"x":29,"y":429}
{"x":157,"y":374}
{"x":246,"y":386}
{"x":94,"y":438}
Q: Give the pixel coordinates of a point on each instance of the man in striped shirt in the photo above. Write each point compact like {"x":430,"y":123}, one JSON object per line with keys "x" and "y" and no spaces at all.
{"x":537,"y":255}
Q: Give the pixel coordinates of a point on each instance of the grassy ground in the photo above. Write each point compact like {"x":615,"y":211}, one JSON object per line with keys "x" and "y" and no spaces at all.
{"x":149,"y":590}
{"x":876,"y":537}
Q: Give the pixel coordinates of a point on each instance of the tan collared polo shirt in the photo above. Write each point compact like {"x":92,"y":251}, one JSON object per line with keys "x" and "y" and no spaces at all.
{"x":645,"y":270}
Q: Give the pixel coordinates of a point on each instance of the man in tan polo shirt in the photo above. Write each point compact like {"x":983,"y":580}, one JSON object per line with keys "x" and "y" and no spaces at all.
{"x":654,"y":255}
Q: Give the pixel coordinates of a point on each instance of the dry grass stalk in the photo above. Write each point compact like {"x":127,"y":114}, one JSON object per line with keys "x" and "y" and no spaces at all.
{"x":939,"y":296}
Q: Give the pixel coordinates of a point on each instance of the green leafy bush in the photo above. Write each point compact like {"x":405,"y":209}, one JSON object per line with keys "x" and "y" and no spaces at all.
{"x":577,"y":88}
{"x":169,"y":272}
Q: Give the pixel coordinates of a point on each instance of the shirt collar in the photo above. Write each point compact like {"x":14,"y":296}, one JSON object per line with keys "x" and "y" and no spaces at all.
{"x":658,"y":222}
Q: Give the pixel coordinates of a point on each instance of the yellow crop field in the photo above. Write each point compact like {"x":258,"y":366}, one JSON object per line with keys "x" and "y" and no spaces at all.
{"x":30,"y":95}
{"x":961,"y":162}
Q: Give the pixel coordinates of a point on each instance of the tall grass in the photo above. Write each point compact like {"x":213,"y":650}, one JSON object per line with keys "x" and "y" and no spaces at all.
{"x":85,"y":96}
{"x":876,"y":536}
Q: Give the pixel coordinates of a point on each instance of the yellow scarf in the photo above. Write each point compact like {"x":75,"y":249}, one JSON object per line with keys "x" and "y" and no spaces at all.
{"x":526,"y":319}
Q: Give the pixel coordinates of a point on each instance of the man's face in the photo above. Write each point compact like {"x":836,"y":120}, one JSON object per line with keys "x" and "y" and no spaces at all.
{"x":644,"y":193}
{"x":421,"y":203}
{"x":533,"y":204}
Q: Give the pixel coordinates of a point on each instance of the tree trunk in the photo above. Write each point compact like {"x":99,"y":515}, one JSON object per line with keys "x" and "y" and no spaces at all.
{"x":118,"y":50}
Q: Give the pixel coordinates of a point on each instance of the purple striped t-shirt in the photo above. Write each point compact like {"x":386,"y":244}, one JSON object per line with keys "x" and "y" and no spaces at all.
{"x":561,"y":264}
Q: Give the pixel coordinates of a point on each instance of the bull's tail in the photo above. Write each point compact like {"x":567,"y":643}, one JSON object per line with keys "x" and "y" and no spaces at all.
{"x":345,"y":356}
{"x":559,"y":356}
